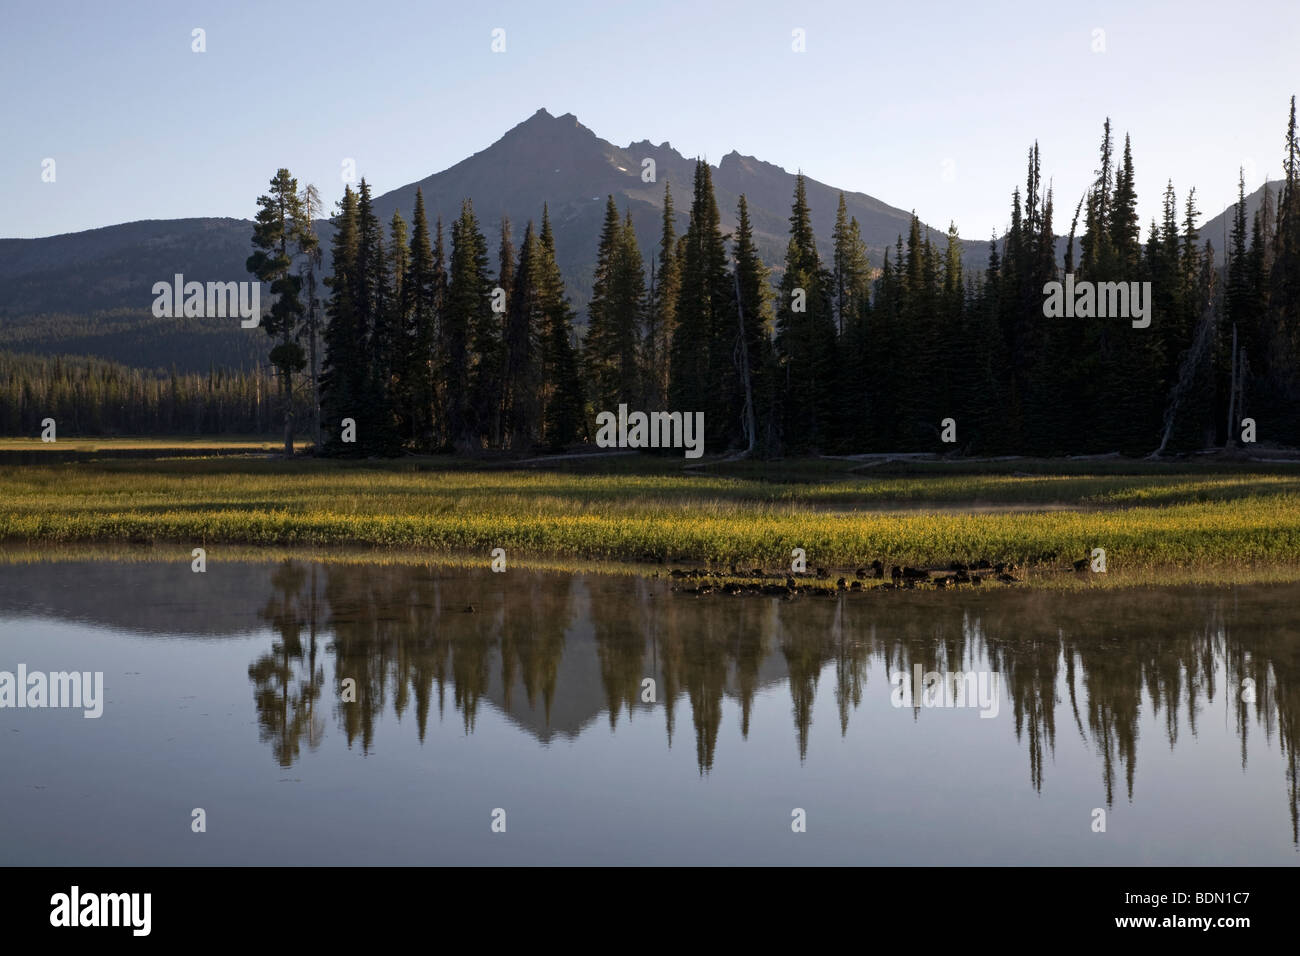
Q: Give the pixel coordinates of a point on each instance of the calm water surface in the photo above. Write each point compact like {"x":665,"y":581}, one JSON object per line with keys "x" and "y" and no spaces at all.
{"x":1176,"y":712}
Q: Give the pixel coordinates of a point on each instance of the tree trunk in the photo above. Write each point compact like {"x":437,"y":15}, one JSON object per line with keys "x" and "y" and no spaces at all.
{"x":1196,"y":353}
{"x":751,"y":427}
{"x":287,"y":394}
{"x":1232,"y":389}
{"x":289,"y":416}
{"x":313,"y":327}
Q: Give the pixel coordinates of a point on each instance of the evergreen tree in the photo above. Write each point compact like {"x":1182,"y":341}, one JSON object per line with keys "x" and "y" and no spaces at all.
{"x":665,"y":285}
{"x":1192,"y":305}
{"x":1165,"y":266}
{"x":467,"y":333}
{"x":505,"y":283}
{"x":442,"y":431}
{"x":309,"y":248}
{"x":420,"y":334}
{"x":1284,"y":295}
{"x":1124,"y":238}
{"x":922,"y":404}
{"x":952,"y":367}
{"x":524,"y":341}
{"x":281,"y":228}
{"x":843,"y":268}
{"x":487,"y":343}
{"x":344,"y":370}
{"x":884,"y":334}
{"x":1238,"y":292}
{"x":399,"y":320}
{"x":399,"y":260}
{"x":701,"y":378}
{"x":805,"y":334}
{"x":1095,"y":249}
{"x":1258,"y":264}
{"x":377,"y":421}
{"x":630,"y":305}
{"x":755,"y":308}
{"x":506,"y":261}
{"x":563,"y":414}
{"x":984,"y":343}
{"x":850,"y":291}
{"x":1243,"y":319}
{"x":612,"y":346}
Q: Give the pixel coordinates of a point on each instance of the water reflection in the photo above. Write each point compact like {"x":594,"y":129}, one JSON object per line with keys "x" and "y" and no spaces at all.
{"x":288,"y":679}
{"x":1091,"y":663}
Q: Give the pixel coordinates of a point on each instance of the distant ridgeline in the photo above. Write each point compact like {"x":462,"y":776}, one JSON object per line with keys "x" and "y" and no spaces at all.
{"x":405,"y":337}
{"x":137,"y":338}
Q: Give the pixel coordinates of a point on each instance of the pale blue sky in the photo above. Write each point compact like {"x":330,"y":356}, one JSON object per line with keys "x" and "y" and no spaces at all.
{"x":142,"y":128}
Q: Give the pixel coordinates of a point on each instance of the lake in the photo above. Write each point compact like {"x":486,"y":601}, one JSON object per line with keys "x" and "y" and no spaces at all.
{"x":348,"y":713}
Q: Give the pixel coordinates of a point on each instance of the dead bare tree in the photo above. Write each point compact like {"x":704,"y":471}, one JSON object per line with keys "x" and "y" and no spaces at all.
{"x":742,"y":347}
{"x":1192,"y":359}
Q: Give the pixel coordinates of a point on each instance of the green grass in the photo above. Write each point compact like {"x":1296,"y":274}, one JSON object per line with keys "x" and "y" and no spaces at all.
{"x":1180,"y":520}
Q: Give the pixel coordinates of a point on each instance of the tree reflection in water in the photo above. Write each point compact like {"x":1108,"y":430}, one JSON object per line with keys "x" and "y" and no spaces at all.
{"x":404,"y":633}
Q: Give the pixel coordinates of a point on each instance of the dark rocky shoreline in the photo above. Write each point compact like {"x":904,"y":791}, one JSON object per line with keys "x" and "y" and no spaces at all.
{"x":874,"y":577}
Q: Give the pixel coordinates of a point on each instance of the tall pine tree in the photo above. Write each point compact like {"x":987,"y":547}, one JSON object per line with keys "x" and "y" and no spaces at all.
{"x":281,"y":228}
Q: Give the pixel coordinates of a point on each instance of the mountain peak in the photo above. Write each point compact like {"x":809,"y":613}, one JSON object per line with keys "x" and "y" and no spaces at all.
{"x":749,"y":163}
{"x":542,"y":118}
{"x":546,"y":159}
{"x":545,"y":116}
{"x":547,"y":125}
{"x":645,"y":144}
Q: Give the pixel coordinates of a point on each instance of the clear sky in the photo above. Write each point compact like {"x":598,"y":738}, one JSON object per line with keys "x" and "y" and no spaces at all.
{"x":927,"y":105}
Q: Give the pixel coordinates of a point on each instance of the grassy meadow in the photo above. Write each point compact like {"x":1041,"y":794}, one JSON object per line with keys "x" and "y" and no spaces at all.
{"x":1155,"y":521}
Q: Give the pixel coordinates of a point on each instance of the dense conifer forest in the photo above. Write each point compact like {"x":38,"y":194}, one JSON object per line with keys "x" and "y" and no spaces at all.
{"x":428,"y":344}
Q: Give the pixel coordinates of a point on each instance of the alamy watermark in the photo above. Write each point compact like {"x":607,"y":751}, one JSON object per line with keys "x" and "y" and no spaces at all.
{"x":74,"y":908}
{"x":56,"y":689}
{"x":978,"y":689}
{"x":1099,"y":300}
{"x":651,"y":430}
{"x":218,"y":300}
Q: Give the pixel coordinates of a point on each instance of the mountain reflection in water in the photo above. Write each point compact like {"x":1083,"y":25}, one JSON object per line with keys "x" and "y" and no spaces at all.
{"x":1080,"y":662}
{"x":451,"y":678}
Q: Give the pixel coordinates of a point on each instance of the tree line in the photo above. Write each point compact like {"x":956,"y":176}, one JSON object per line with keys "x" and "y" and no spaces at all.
{"x":393,"y":632}
{"x":93,"y":397}
{"x":417,"y":344}
{"x":430,"y":349}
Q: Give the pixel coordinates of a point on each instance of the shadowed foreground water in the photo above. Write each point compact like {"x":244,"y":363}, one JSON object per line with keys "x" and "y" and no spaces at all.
{"x":1176,"y":712}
